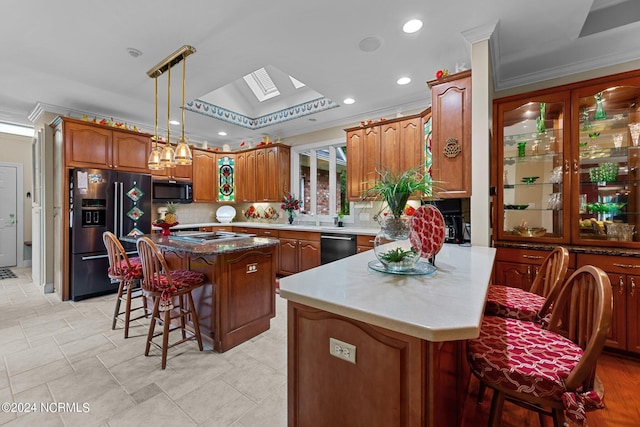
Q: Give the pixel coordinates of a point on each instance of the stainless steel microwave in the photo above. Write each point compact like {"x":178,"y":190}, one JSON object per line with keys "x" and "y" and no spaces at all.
{"x":172,"y":191}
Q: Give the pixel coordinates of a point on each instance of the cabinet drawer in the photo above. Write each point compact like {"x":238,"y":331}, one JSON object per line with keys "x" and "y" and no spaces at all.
{"x":300,"y":235}
{"x":245,"y":230}
{"x":528,"y":256}
{"x":265,"y":232}
{"x":365,"y":240}
{"x":611,"y":264}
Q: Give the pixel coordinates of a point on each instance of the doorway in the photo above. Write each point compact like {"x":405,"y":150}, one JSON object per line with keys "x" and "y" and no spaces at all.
{"x":8,"y":215}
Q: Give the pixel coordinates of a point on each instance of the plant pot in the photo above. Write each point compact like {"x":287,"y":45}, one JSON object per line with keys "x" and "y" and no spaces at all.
{"x":392,"y":246}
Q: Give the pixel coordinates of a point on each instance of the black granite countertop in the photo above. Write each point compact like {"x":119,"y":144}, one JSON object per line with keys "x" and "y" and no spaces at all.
{"x":595,"y":250}
{"x":218,"y":247}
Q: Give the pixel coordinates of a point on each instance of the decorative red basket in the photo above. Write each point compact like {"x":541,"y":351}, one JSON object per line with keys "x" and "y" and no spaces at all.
{"x":166,"y":226}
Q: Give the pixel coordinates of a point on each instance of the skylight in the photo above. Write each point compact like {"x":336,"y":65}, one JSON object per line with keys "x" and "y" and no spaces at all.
{"x":296,"y":83}
{"x":261,"y":85}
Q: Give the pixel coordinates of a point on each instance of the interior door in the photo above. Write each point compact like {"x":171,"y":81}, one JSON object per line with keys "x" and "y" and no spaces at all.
{"x":8,"y":220}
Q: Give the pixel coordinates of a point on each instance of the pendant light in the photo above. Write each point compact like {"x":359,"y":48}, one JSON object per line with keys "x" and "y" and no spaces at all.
{"x":183,"y":153}
{"x":167,"y":156}
{"x":154,"y":157}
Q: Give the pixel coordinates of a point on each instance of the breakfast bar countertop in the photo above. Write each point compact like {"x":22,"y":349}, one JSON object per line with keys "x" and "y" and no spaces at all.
{"x":215,"y":247}
{"x":445,"y":306}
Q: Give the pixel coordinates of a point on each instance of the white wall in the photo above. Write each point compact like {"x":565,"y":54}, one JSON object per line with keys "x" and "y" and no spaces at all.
{"x":16,"y":149}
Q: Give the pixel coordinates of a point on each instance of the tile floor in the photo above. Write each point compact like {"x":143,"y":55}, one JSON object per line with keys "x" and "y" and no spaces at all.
{"x":54,"y":352}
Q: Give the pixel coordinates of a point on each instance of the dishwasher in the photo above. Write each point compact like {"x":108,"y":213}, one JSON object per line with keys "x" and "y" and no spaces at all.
{"x":335,"y":246}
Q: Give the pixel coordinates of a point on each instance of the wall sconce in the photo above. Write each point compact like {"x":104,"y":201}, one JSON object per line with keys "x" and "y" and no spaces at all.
{"x":167,"y":158}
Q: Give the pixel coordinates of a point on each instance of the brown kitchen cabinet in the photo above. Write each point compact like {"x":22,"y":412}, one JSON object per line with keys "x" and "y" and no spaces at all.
{"x":299,"y":251}
{"x":624,"y":273}
{"x":90,"y":145}
{"x":518,"y":267}
{"x":246,"y":176}
{"x":177,"y":173}
{"x":451,"y":137}
{"x":364,"y":243}
{"x":204,"y":184}
{"x":396,"y":145}
{"x":272,"y":172}
{"x":226,"y":185}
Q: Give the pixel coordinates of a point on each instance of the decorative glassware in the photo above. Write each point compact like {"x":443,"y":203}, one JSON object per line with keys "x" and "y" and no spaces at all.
{"x":634,"y":128}
{"x":600,"y":113}
{"x":392,"y":246}
{"x":617,"y":140}
{"x":522,"y":146}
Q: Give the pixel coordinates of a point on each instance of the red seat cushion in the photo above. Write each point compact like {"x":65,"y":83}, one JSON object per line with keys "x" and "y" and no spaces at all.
{"x":180,"y":279}
{"x":523,"y":357}
{"x":515,"y":303}
{"x":133,"y":273}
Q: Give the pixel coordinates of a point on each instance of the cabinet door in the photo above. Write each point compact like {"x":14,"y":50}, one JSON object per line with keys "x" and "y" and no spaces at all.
{"x":309,"y":254}
{"x":411,"y":147}
{"x":131,"y":152}
{"x":533,"y":174}
{"x":371,"y":156}
{"x":606,"y":196}
{"x":451,"y":145}
{"x":87,"y":146}
{"x":633,"y":314}
{"x":271,"y":175}
{"x":390,"y":146}
{"x":514,"y":274}
{"x":204,"y":186}
{"x":355,"y":178}
{"x":250,"y":185}
{"x":617,"y":336}
{"x":288,"y":256}
{"x":225,"y":176}
{"x":261,"y":177}
{"x":241,"y":173}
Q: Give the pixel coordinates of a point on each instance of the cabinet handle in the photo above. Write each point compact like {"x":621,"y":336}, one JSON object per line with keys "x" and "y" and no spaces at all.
{"x":576,"y":169}
{"x":626,"y":265}
{"x":266,"y":232}
{"x":621,"y":285}
{"x":529,"y":270}
{"x":566,"y":166}
{"x":633,"y":286}
{"x":533,"y":256}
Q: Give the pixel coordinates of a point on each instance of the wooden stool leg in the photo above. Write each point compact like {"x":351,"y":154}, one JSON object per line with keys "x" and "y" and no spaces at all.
{"x":481,"y":390}
{"x":165,"y":337}
{"x":194,"y":317}
{"x":152,"y":325}
{"x":495,"y":414}
{"x":182,"y":316}
{"x":127,"y":311}
{"x":118,"y":300}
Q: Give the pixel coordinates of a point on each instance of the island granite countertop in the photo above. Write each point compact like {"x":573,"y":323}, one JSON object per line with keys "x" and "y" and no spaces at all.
{"x":218,"y":247}
{"x":445,"y":306}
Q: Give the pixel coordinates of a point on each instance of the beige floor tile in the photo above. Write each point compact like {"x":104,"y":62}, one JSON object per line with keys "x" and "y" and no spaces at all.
{"x":32,"y":358}
{"x":272,"y":411}
{"x":40,"y":375}
{"x":87,"y":347}
{"x":38,"y":394}
{"x":230,"y":414}
{"x":256,"y":381}
{"x":40,"y":419}
{"x":139,"y":372}
{"x":100,"y":408}
{"x":5,"y":396}
{"x":157,"y":411}
{"x":210,"y":399}
{"x":89,"y":380}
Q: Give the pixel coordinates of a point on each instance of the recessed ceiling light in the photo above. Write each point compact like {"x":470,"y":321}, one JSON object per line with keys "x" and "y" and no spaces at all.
{"x":222,"y":133}
{"x":174,"y":122}
{"x":403,"y":80}
{"x":412,"y":26}
{"x":348,"y":101}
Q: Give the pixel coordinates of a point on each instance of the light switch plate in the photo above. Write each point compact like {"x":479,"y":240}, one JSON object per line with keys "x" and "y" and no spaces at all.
{"x":342,"y":350}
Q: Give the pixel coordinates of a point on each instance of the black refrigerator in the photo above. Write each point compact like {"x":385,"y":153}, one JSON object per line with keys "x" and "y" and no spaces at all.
{"x":103,"y":200}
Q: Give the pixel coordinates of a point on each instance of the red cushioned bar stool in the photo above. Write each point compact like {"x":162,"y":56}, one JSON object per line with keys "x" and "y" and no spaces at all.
{"x":167,"y":287}
{"x":126,"y":272}
{"x":550,"y":370}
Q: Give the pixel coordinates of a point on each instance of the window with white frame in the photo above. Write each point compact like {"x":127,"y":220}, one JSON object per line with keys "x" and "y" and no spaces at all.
{"x":319,"y":177}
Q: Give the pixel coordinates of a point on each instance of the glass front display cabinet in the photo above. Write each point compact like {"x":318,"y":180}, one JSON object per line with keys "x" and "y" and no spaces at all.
{"x":606,"y":194}
{"x":532,"y":183}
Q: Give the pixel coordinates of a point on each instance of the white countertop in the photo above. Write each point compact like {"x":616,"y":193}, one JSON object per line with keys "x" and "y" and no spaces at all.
{"x":442,"y":307}
{"x":372,"y":231}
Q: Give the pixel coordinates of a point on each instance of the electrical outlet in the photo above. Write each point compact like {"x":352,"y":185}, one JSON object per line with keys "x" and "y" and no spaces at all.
{"x":342,"y":350}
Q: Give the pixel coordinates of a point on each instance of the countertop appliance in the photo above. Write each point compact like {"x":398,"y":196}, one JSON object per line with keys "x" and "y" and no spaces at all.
{"x":335,"y":246}
{"x":103,"y":200}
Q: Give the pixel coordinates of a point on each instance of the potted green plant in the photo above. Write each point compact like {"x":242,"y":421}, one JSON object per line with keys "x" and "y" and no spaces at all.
{"x":395,"y":189}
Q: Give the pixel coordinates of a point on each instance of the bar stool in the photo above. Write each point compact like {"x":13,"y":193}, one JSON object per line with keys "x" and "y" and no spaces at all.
{"x":126,"y":272}
{"x":535,"y":304}
{"x":165,"y":286}
{"x":549,"y":370}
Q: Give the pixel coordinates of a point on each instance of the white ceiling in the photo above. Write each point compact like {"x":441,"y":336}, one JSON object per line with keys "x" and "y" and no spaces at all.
{"x":72,"y":56}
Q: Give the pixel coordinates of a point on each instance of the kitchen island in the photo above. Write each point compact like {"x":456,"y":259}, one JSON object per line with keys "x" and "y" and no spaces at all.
{"x":239,"y":301}
{"x":378,"y":349}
